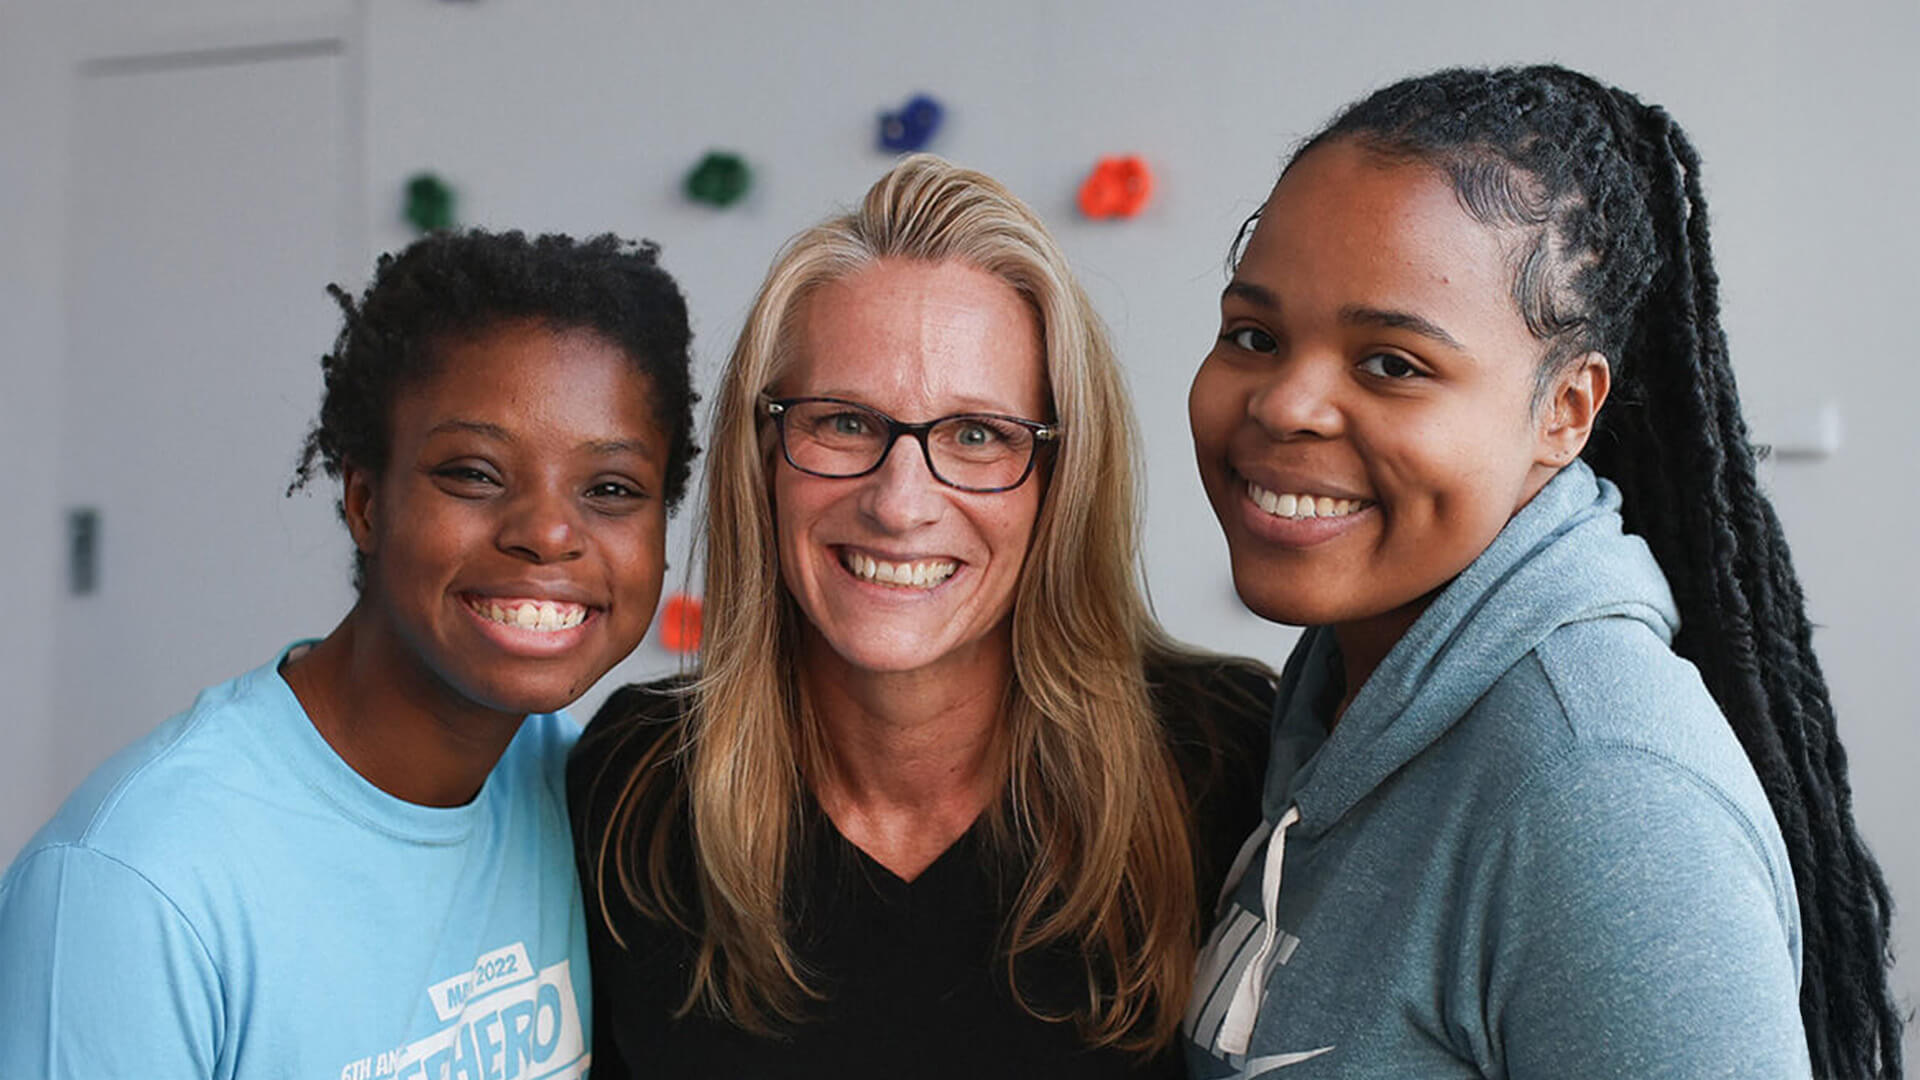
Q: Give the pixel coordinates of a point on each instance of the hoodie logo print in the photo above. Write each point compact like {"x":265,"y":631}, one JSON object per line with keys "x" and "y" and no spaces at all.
{"x":1231,"y":948}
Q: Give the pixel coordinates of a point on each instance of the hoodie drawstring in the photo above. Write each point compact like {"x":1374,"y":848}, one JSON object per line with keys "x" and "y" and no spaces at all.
{"x":1236,"y":1028}
{"x":1235,"y":872}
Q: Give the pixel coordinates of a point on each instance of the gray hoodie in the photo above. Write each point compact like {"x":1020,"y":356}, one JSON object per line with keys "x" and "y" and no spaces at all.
{"x":1531,"y":847}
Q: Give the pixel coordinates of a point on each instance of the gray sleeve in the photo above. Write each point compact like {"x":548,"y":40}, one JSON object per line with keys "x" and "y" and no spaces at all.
{"x":1631,"y":925}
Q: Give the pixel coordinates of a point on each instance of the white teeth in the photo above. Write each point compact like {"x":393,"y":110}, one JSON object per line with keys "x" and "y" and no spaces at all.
{"x":1302,"y":506}
{"x":541,"y":615}
{"x":917,"y":575}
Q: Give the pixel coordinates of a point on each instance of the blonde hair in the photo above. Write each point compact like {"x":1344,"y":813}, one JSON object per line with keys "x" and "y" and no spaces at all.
{"x":1095,"y":809}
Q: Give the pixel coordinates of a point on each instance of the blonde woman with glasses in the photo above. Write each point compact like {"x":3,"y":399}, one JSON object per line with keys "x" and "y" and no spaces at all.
{"x":943,"y":799}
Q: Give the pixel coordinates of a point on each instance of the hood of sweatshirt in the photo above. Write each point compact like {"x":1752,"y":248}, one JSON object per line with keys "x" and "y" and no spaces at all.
{"x":1562,"y":559}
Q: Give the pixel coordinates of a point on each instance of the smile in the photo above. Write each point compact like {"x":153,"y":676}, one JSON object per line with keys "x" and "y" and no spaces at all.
{"x":528,"y":614}
{"x":1301,"y":506}
{"x":924,"y":574}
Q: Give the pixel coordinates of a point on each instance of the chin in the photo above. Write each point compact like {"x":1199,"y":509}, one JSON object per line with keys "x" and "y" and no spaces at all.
{"x":1265,"y":592}
{"x":885,"y":653}
{"x":543,"y":692}
{"x":886,"y":659}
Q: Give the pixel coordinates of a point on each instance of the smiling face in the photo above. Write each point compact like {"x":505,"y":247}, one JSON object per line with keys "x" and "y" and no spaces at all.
{"x":895,"y":571}
{"x":516,"y":541}
{"x":1365,"y":422}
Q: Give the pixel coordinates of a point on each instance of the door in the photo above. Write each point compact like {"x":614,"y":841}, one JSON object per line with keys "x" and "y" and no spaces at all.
{"x":209,"y":205}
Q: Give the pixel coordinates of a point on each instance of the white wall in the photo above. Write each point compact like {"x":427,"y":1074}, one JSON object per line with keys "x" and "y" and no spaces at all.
{"x":31,"y":149}
{"x":581,"y":115}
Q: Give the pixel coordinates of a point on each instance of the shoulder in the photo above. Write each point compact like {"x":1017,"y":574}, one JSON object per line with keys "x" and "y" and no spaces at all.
{"x":1603,"y":733}
{"x":639,"y":726}
{"x":1618,"y":883}
{"x":632,"y":723}
{"x":183,"y":779}
{"x":1628,"y":768}
{"x":1214,"y":713}
{"x":117,"y":882}
{"x":1611,"y":690}
{"x":103,"y":972}
{"x":1212,"y":705}
{"x":1607,"y":685}
{"x":649,"y":705}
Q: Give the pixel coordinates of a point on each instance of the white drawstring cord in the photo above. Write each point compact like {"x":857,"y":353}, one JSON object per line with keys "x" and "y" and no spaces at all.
{"x":1239,"y":867}
{"x":1236,"y":1028}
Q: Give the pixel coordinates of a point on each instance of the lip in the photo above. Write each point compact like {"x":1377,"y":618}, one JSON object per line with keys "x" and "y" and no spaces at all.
{"x":1295,"y":482}
{"x":897,"y":556}
{"x":522,"y":641}
{"x":1296,"y":532}
{"x":563,"y":592}
{"x":893,"y":592}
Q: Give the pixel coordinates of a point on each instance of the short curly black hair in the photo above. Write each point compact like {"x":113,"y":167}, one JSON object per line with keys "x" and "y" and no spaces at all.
{"x":453,"y":286}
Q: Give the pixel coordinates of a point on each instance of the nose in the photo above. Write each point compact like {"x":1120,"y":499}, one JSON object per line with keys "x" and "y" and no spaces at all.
{"x":1300,"y":398}
{"x":542,"y":525}
{"x":902,"y":493}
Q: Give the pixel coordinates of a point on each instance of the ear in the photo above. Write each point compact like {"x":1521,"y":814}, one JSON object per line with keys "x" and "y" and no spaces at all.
{"x":1566,"y":415}
{"x":357,"y":500}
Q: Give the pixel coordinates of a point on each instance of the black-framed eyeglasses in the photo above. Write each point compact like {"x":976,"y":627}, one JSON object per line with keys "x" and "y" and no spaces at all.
{"x":978,"y":452}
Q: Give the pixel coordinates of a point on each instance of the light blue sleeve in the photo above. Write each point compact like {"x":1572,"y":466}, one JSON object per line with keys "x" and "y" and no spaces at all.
{"x":100,"y":975}
{"x":1633,"y":928}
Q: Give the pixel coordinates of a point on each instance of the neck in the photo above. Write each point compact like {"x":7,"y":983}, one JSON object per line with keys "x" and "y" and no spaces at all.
{"x":1364,"y":643}
{"x":911,"y":758}
{"x":392,"y":720}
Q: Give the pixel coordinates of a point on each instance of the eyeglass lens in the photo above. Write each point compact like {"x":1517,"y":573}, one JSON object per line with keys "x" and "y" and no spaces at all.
{"x":840,"y":439}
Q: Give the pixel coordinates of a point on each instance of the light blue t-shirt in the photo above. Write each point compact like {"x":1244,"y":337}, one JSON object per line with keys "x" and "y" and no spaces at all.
{"x":227,"y":898}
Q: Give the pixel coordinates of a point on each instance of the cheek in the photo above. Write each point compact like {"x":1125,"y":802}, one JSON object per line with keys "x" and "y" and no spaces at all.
{"x":1009,"y":529}
{"x":1462,"y":478}
{"x":1213,"y":402}
{"x":640,"y":549}
{"x":423,"y":533}
{"x":795,"y":507}
{"x":1024,"y":516}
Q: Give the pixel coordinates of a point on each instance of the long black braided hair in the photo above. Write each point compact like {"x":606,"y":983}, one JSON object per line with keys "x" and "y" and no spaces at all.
{"x":1608,"y":190}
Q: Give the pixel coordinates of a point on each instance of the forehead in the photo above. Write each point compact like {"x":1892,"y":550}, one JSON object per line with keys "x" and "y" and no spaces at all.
{"x":525,"y":373}
{"x":1386,"y":232}
{"x":921,"y":338}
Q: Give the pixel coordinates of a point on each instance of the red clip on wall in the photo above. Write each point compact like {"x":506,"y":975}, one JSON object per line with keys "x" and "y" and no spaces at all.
{"x":1118,"y":187}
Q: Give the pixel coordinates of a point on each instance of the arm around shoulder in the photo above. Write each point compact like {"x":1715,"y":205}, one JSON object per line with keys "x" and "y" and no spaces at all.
{"x":100,"y":974}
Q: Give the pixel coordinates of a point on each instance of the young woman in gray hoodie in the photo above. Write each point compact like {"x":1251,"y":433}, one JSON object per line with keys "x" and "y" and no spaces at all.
{"x":1555,"y":789}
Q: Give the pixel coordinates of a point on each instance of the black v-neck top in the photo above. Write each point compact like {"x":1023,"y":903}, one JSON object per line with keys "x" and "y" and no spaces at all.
{"x":914,"y":977}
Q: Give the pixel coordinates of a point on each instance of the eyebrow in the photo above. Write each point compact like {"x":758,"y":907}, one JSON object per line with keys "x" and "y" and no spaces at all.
{"x":1400,"y":320}
{"x":475,"y":427}
{"x":1251,"y":293}
{"x":1353,"y":314}
{"x":600,"y":447}
{"x":967,"y":403}
{"x":605,"y":447}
